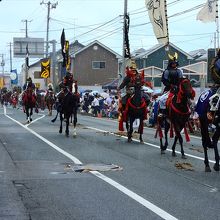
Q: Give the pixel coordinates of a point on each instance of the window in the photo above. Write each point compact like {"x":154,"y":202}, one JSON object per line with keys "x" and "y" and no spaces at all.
{"x":98,"y":64}
{"x":165,"y":63}
{"x":37,"y":75}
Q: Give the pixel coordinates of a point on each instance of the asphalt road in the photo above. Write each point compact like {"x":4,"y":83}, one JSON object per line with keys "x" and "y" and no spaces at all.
{"x":38,"y":181}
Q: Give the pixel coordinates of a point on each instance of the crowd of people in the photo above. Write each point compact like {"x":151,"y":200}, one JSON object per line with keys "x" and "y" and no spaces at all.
{"x":99,"y":105}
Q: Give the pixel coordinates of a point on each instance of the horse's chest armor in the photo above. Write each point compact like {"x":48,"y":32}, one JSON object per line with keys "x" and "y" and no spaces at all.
{"x":135,"y":80}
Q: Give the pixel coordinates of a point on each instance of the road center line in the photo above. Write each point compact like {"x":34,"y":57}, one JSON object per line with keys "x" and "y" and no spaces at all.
{"x":158,"y":211}
{"x":152,"y":145}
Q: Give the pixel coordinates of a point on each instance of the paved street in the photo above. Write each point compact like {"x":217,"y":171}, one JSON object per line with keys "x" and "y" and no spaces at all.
{"x":38,"y":182}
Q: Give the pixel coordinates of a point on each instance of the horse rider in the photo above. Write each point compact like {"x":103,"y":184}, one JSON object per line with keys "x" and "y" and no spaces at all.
{"x":211,"y":97}
{"x":171,"y":75}
{"x":132,"y":78}
{"x":49,"y":91}
{"x":170,"y":78}
{"x":29,"y":84}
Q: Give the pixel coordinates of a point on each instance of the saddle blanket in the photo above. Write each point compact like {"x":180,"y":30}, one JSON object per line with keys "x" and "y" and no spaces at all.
{"x":162,"y":100}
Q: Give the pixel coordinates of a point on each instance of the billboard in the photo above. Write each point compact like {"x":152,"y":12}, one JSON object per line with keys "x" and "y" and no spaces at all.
{"x":35,"y":47}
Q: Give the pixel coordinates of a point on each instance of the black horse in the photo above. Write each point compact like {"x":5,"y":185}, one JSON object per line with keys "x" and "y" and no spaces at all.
{"x":177,"y":115}
{"x":208,"y":108}
{"x":66,"y":106}
{"x":28,"y":102}
{"x":136,"y":108}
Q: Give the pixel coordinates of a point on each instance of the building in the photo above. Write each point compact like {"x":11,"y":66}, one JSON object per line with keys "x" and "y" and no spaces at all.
{"x":94,"y":64}
{"x":155,"y":60}
{"x":91,"y":65}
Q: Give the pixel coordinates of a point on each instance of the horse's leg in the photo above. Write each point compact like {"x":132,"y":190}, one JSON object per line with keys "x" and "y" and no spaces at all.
{"x":71,"y":118}
{"x":130,"y":131}
{"x":141,"y":129}
{"x":67,"y":125}
{"x":166,"y":130}
{"x":31,"y":113}
{"x":174,"y":146}
{"x":74,"y":122}
{"x":27,"y":114}
{"x":215,"y":139}
{"x":61,"y":123}
{"x":181,"y":145}
{"x":206,"y":141}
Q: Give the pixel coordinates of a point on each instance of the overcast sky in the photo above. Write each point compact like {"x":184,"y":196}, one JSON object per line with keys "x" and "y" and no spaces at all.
{"x":80,"y":19}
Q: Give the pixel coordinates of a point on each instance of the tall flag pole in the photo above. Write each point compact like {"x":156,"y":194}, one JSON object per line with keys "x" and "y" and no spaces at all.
{"x":217,"y":23}
{"x":26,"y":62}
{"x":157,"y":11}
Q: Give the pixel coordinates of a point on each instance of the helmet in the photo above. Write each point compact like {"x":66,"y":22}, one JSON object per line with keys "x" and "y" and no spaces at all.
{"x":172,"y":60}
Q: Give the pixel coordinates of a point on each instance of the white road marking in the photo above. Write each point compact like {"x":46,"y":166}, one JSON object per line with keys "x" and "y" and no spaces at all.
{"x":42,"y":116}
{"x":158,"y":211}
{"x":192,"y":136}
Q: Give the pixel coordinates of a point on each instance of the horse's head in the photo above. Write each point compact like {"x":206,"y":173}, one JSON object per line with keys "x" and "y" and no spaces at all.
{"x":185,"y":89}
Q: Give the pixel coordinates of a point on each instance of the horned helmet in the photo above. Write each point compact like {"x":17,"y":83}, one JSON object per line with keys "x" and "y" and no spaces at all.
{"x":173,"y":60}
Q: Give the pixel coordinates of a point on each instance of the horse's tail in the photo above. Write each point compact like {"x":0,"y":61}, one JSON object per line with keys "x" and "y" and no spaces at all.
{"x":53,"y":120}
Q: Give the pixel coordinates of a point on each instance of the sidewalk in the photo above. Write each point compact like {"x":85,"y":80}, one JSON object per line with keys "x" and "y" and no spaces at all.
{"x":11,"y":206}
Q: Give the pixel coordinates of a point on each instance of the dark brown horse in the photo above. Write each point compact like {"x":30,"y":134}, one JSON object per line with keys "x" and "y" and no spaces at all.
{"x":28,"y":102}
{"x":66,"y":106}
{"x":178,"y":112}
{"x":136,"y":108}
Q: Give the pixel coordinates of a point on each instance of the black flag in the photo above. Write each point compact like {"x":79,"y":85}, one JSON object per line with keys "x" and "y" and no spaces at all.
{"x":27,"y":57}
{"x":126,"y":46}
{"x":62,"y":42}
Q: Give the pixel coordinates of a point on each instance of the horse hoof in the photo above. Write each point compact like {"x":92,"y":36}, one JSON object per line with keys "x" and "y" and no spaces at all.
{"x":162,"y":151}
{"x":184,"y":157}
{"x":163,"y":148}
{"x":30,"y":119}
{"x":67,"y":134}
{"x":141,"y":141}
{"x":216,"y":167}
{"x":207,"y":169}
{"x":129,"y":140}
{"x":60,"y":131}
{"x":173,"y":154}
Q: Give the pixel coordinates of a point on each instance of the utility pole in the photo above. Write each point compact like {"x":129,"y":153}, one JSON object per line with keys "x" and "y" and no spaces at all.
{"x":3,"y":64}
{"x":49,"y":6}
{"x":10,"y":56}
{"x":26,"y":26}
{"x":53,"y":64}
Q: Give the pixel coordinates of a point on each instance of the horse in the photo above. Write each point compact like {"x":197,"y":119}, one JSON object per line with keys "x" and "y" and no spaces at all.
{"x":176,"y":117}
{"x":50,"y":100}
{"x":66,"y":106}
{"x":28,"y":102}
{"x":208,"y":108}
{"x":136,"y":108}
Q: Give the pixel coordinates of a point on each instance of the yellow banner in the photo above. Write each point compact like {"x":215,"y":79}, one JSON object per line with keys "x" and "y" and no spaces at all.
{"x":1,"y":83}
{"x":45,"y":68}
